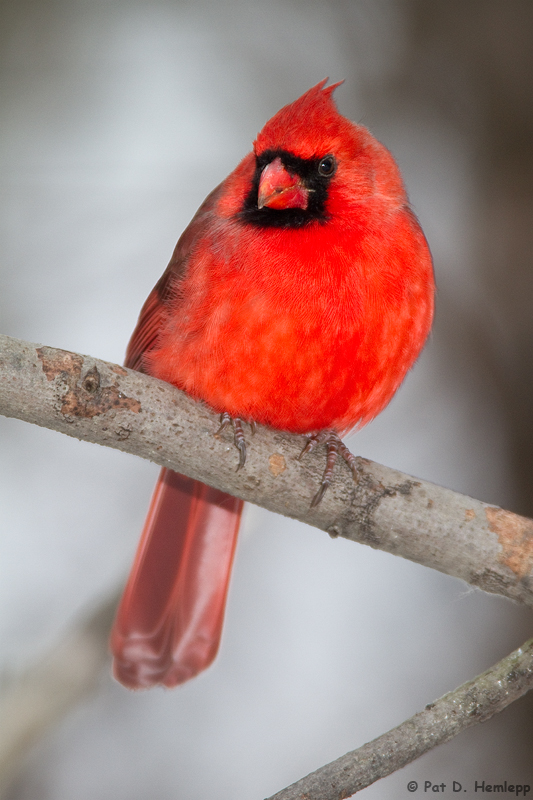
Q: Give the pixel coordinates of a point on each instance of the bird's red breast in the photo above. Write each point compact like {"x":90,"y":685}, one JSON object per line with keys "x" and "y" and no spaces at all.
{"x":301,"y":314}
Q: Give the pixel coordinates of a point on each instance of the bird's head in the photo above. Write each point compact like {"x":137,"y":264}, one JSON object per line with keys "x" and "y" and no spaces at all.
{"x":309,"y":164}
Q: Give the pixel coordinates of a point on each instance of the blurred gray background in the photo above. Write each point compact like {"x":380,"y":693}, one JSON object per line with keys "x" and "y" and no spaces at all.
{"x":117,"y":118}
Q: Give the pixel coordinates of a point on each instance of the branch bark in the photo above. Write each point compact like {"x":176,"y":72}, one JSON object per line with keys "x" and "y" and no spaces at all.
{"x":472,"y":703}
{"x":388,"y":510}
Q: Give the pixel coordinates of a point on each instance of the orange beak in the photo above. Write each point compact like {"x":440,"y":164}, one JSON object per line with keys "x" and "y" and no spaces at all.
{"x":279,"y":189}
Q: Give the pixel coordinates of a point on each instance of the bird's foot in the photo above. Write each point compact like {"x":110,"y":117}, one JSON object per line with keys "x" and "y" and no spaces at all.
{"x":238,"y":435}
{"x":334,"y":446}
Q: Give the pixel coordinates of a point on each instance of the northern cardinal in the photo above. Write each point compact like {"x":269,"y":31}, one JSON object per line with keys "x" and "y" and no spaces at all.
{"x":298,"y":297}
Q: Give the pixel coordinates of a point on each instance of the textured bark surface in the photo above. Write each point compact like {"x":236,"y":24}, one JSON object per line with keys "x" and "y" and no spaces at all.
{"x":386,"y":509}
{"x":473,"y":702}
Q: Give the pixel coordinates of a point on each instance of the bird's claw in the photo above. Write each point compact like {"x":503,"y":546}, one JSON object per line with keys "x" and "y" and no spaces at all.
{"x":238,"y":435}
{"x":309,"y":445}
{"x":334,"y":446}
{"x":240,"y":441}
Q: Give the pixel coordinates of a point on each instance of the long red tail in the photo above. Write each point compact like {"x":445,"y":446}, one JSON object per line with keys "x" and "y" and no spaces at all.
{"x":169,"y":621}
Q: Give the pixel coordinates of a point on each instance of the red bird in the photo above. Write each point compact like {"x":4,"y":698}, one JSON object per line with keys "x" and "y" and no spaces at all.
{"x":298,"y":297}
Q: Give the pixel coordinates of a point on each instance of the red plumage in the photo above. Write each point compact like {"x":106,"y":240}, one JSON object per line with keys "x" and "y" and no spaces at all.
{"x":298,"y":297}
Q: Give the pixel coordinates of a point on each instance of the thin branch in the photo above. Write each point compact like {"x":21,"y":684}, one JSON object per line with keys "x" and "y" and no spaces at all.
{"x":388,"y":510}
{"x":42,"y":694}
{"x":472,"y":703}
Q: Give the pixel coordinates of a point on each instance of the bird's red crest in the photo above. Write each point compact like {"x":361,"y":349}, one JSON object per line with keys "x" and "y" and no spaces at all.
{"x":308,"y":127}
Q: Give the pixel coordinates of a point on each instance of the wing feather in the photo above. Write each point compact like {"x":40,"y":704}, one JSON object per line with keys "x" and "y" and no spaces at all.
{"x":154,"y":312}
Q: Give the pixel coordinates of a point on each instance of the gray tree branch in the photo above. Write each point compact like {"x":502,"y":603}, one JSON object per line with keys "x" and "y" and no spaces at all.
{"x":482,"y":544}
{"x":472,"y":703}
{"x":388,"y":510}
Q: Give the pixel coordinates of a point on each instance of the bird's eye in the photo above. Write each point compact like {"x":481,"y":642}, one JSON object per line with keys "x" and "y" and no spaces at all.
{"x":327,"y":166}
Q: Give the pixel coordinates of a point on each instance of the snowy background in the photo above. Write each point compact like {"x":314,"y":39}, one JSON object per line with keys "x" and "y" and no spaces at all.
{"x":117,"y":119}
